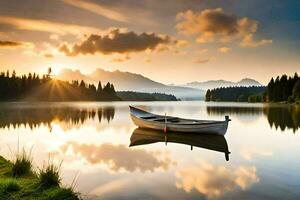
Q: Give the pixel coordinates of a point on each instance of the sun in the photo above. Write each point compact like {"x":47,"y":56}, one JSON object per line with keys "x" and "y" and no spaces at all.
{"x":56,"y":69}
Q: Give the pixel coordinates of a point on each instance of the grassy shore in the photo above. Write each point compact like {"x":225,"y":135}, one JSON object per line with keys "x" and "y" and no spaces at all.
{"x":19,"y":181}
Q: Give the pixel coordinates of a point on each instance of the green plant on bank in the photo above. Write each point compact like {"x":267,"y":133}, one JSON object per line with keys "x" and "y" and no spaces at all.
{"x":49,"y":176}
{"x":9,"y":185}
{"x":22,"y":165}
{"x":19,"y":181}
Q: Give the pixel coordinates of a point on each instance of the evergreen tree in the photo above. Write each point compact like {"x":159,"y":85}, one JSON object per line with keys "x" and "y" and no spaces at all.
{"x":99,"y":88}
{"x":82,"y":84}
{"x":296,"y":90}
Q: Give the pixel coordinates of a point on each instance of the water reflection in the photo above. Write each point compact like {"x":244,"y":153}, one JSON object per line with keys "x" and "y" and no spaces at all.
{"x":279,"y":116}
{"x":222,"y":110}
{"x":119,"y":157}
{"x":215,"y":180}
{"x":212,"y":142}
{"x":34,"y":117}
{"x":284,"y":117}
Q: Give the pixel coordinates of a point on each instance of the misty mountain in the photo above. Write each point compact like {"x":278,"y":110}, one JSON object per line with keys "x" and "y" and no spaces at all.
{"x":205,"y":85}
{"x":126,"y":81}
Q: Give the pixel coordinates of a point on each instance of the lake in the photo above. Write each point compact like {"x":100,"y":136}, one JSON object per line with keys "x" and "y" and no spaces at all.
{"x":93,"y":139}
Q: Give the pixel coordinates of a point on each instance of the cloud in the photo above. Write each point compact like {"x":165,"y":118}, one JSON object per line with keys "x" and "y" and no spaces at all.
{"x":97,"y":9}
{"x":124,"y":58}
{"x":120,"y":157}
{"x":204,"y":60}
{"x":202,"y":51}
{"x":224,"y":49}
{"x":248,"y":41}
{"x":116,"y":42}
{"x":48,"y":55}
{"x":249,"y":154}
{"x":15,"y":44}
{"x":9,"y":44}
{"x":54,"y":37}
{"x":181,"y":43}
{"x":214,"y":181}
{"x":215,"y":24}
{"x":47,"y":26}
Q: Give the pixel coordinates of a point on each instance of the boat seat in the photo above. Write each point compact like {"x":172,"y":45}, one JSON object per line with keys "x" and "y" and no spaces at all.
{"x":150,"y":117}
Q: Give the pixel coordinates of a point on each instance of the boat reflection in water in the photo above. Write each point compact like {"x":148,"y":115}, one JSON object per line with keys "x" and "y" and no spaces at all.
{"x":142,"y":136}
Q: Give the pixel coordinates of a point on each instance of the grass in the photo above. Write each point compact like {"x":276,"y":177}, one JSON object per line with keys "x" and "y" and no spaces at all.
{"x":19,"y":181}
{"x":22,"y":165}
{"x":49,"y":176}
{"x":9,"y":185}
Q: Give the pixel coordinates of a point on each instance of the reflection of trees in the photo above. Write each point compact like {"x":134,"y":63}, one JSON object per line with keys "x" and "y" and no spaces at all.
{"x":34,"y":117}
{"x":280,"y":116}
{"x":221,"y":110}
{"x":284,"y":117}
{"x":107,"y":113}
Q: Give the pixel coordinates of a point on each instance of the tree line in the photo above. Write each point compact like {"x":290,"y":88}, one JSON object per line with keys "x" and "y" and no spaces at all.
{"x":142,"y":96}
{"x":283,"y":89}
{"x":34,"y":87}
{"x":238,"y":94}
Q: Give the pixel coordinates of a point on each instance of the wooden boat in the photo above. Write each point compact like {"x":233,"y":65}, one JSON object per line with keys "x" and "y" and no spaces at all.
{"x":212,"y":142}
{"x":144,"y":119}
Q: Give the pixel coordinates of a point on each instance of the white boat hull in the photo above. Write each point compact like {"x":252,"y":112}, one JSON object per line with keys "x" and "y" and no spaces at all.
{"x":190,"y":126}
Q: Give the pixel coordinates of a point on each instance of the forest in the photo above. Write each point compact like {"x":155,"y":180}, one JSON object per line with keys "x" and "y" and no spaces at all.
{"x":282,"y":89}
{"x":238,"y":94}
{"x":33,"y":88}
{"x":141,"y":96}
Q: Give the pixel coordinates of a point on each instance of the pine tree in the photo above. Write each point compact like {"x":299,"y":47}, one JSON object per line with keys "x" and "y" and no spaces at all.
{"x":296,"y":90}
{"x":99,"y":88}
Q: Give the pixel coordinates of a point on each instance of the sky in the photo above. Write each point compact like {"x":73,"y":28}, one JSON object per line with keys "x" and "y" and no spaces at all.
{"x":170,"y":41}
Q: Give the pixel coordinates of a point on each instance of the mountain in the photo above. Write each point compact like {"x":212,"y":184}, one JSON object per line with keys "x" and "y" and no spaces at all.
{"x":221,"y":83}
{"x":126,"y":81}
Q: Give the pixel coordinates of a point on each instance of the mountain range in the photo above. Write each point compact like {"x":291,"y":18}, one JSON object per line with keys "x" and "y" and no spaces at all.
{"x":205,"y":85}
{"x":127,"y":81}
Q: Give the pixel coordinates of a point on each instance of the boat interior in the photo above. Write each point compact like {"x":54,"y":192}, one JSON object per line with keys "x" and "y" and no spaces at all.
{"x":176,"y":120}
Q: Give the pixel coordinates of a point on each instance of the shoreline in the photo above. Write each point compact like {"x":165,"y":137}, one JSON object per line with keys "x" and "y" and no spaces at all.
{"x":28,"y":186}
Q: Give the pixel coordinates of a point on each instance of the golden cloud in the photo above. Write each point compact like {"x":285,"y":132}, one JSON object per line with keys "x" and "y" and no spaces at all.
{"x":120,"y":157}
{"x":124,"y":58}
{"x":117,"y":42}
{"x":212,"y":24}
{"x":8,"y":44}
{"x":224,"y":49}
{"x":248,"y":41}
{"x":214,"y":181}
{"x":204,"y":60}
{"x":47,"y":26}
{"x":48,"y":55}
{"x":97,"y":9}
{"x":15,"y":44}
{"x":181,"y":43}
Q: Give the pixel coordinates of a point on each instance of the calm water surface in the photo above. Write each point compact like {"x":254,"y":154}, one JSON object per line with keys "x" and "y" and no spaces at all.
{"x":93,"y":141}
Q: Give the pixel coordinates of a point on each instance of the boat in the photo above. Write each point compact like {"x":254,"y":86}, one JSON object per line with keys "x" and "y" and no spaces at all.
{"x":212,"y":142}
{"x":144,"y":119}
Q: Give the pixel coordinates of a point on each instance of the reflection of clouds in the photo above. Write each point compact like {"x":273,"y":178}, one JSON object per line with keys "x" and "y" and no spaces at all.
{"x":214,"y":181}
{"x":119,"y":157}
{"x":249,"y":154}
{"x":111,"y":186}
